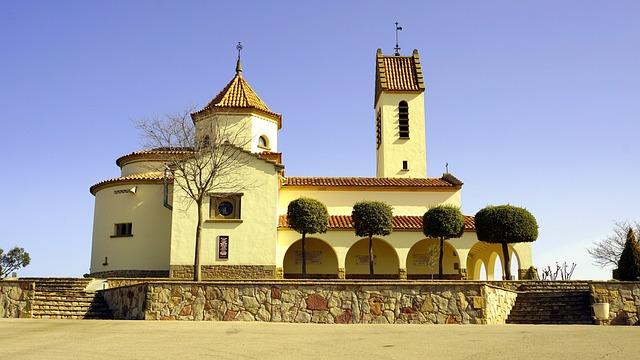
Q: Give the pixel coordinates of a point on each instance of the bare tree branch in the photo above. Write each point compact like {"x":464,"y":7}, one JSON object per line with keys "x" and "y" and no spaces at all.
{"x":203,"y":158}
{"x":606,"y":252}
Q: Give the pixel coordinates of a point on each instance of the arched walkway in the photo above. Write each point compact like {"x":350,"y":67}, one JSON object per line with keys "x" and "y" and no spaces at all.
{"x":322,"y":262}
{"x":385,"y":260}
{"x":487,"y":256}
{"x":422,"y":261}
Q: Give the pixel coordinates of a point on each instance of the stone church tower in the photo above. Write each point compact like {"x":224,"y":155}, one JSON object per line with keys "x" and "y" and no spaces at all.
{"x":399,"y":115}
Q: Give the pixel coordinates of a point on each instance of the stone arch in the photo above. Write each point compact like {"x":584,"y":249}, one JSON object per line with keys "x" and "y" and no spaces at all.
{"x":386,"y":261}
{"x":322,"y":262}
{"x":418,"y":258}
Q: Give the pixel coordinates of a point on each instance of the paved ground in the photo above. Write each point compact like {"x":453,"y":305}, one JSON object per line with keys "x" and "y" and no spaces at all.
{"x":87,"y":339}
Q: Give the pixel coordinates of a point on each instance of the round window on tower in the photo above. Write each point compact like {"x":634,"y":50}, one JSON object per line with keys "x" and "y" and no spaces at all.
{"x":263,"y":142}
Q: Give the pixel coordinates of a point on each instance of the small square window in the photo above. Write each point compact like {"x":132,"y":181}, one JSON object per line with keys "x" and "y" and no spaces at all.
{"x":225,"y":207}
{"x":122,"y":229}
{"x":405,"y":165}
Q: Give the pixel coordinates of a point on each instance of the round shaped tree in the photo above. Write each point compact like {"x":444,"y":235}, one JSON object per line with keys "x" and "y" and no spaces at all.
{"x":372,"y":218}
{"x":506,"y":224}
{"x":307,"y":216}
{"x":443,"y":222}
{"x":629,"y":263}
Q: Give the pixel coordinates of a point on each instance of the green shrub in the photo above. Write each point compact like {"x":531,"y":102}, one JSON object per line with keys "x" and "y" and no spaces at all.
{"x":307,"y":216}
{"x":506,"y":224}
{"x":629,"y":263}
{"x":443,"y":222}
{"x":372,"y":218}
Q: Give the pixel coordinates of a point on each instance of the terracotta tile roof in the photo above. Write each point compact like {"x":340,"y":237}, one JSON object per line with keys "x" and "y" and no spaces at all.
{"x":153,"y":154}
{"x":238,"y":94}
{"x":142,"y":178}
{"x":398,"y":73}
{"x":401,"y":222}
{"x":299,"y":181}
{"x":273,"y":156}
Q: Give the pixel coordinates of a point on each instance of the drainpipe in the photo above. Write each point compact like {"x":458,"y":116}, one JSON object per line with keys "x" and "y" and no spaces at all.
{"x":165,"y":195}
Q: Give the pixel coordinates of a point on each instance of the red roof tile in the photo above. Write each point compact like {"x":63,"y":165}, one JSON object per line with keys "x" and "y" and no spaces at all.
{"x":158,"y":154}
{"x":400,"y":222}
{"x":299,"y":181}
{"x":398,"y":73}
{"x":143,"y":178}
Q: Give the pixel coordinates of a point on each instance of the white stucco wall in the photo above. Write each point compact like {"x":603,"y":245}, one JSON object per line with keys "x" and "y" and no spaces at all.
{"x":252,"y":241}
{"x":394,"y":150}
{"x":263,"y":127}
{"x":341,"y":202}
{"x":244,"y":128}
{"x":148,"y":248}
{"x":141,"y":166}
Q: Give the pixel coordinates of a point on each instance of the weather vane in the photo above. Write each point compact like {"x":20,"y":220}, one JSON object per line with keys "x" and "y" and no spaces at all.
{"x":239,"y":47}
{"x":397,"y":48}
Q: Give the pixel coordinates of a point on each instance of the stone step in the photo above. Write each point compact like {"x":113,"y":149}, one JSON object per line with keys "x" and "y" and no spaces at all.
{"x":47,"y":306}
{"x":104,"y":316}
{"x":551,"y":322}
{"x":547,"y":311}
{"x":551,"y":303}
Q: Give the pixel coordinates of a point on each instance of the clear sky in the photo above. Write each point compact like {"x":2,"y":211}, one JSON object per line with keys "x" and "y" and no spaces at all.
{"x":533,"y":103}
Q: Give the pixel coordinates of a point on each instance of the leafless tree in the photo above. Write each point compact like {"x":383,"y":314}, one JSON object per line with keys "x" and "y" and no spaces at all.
{"x":606,"y":252}
{"x":208,"y":161}
{"x":431,"y":261}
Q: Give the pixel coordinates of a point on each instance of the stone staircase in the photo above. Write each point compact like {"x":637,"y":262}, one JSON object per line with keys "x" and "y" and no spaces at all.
{"x":67,"y":298}
{"x":545,"y":302}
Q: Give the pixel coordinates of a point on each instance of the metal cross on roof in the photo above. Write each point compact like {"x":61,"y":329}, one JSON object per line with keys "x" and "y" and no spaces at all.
{"x":239,"y":47}
{"x":397,"y":48}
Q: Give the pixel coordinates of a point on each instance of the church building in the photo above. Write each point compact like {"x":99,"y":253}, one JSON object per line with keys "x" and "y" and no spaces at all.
{"x":144,"y":227}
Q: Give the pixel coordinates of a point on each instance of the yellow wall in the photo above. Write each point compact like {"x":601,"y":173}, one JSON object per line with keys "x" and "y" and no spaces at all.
{"x":341,"y":202}
{"x":394,"y":150}
{"x":404,"y":244}
{"x":385,"y":258}
{"x":253,"y":241}
{"x":419,"y":251}
{"x":321,"y":258}
{"x":142,"y":166}
{"x":148,"y":248}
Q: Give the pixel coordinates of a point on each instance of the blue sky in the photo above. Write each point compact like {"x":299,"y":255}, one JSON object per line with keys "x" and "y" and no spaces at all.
{"x":533,"y":103}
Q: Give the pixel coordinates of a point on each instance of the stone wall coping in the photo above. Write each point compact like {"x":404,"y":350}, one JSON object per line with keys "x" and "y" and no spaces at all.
{"x":364,"y":283}
{"x":613,"y":282}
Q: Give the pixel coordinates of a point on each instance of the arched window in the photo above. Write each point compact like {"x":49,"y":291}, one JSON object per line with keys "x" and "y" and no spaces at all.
{"x":403,"y":119}
{"x":263,"y":142}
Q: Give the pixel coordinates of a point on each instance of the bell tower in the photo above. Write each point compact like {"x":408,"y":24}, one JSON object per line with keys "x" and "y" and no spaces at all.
{"x":401,"y":149}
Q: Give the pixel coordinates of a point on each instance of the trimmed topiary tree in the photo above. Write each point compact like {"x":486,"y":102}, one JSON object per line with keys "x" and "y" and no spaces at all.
{"x":372,"y":218}
{"x":443,"y":222}
{"x":629,"y":263}
{"x":307,"y":216}
{"x":506,"y":224}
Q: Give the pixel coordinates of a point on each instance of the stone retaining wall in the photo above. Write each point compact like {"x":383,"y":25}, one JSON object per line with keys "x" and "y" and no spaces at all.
{"x":16,"y":298}
{"x":129,"y":274}
{"x":623,"y":298}
{"x":313,"y":302}
{"x":213,"y":272}
{"x":127,"y":302}
{"x":498,"y":304}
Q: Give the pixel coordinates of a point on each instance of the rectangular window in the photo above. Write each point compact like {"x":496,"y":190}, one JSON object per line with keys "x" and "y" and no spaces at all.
{"x":403,"y":120}
{"x":405,"y":165}
{"x":378,"y":131}
{"x":122,"y":229}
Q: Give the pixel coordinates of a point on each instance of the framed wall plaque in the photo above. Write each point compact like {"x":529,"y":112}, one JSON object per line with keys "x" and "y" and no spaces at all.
{"x":223,"y":247}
